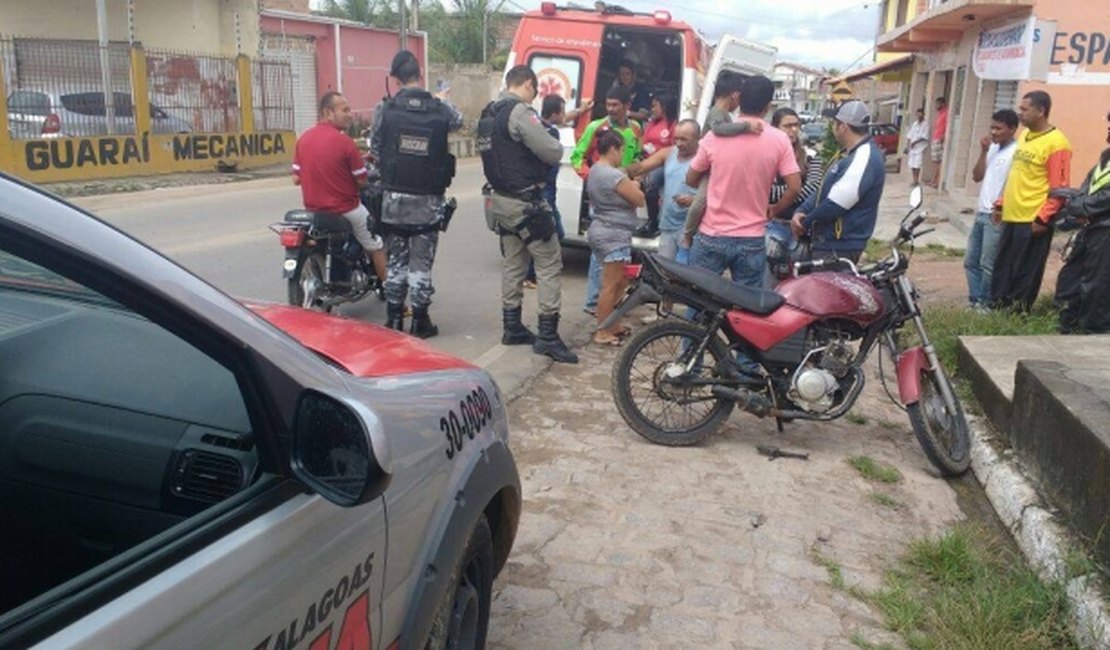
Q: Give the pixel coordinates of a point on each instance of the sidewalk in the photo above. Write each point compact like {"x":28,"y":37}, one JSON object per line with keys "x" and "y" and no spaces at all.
{"x":945,"y":213}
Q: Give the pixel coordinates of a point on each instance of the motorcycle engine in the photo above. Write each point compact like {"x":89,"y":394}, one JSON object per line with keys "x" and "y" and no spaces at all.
{"x":817,"y":379}
{"x":360,"y":281}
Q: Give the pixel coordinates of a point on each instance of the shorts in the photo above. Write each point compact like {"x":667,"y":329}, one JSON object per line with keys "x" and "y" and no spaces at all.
{"x":622,"y":254}
{"x":937,"y":150}
{"x":916,"y":157}
{"x":366,"y":239}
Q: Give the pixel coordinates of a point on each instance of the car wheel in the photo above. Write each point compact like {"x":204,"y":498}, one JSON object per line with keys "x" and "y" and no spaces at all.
{"x":462,"y":618}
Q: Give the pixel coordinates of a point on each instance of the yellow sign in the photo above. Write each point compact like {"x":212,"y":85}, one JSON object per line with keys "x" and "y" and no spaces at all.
{"x":62,"y":159}
{"x":842,"y":91}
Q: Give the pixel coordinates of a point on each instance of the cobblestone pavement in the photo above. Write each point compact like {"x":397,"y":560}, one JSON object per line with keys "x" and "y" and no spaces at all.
{"x":625,"y":544}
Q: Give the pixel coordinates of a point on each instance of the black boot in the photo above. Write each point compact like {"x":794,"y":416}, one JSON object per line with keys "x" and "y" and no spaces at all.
{"x":422,"y":326}
{"x":549,"y":343}
{"x":395,"y":316}
{"x":515,"y":333}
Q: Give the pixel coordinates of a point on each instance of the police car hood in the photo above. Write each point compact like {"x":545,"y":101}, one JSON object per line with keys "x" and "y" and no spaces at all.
{"x":362,"y":349}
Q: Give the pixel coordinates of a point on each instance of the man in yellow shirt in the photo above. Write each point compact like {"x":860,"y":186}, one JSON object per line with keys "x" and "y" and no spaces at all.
{"x":1042,"y":162}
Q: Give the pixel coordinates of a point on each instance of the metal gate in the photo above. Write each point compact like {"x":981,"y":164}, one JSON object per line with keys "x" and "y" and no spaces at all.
{"x":301,"y":56}
{"x":1005,"y":95}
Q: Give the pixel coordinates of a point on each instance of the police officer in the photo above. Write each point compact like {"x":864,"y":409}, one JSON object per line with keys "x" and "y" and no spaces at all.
{"x":409,"y":140}
{"x":517,"y":153}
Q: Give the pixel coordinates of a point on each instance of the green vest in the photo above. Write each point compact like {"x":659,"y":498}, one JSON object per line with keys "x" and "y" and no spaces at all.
{"x":1100,"y":178}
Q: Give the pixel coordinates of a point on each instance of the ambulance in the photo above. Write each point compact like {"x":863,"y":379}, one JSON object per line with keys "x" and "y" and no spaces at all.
{"x":575,"y":53}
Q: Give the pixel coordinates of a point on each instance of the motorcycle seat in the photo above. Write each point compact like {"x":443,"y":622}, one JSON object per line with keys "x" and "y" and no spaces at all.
{"x":756,"y":301}
{"x":325,"y":221}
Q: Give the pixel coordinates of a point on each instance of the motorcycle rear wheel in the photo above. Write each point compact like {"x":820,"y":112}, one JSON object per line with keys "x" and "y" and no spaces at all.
{"x":639,"y":382}
{"x":312,"y":270}
{"x":943,"y":433}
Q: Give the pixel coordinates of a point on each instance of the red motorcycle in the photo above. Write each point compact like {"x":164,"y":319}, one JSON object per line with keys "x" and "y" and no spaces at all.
{"x":677,"y":380}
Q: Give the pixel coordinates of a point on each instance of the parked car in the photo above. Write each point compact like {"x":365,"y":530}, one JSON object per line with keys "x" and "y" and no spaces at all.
{"x":40,"y":113}
{"x":180,"y":470}
{"x":886,"y":136}
{"x":814,"y":132}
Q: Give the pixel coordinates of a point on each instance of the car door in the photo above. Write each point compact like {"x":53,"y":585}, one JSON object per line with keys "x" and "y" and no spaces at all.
{"x":27,"y":111}
{"x":151,"y":427}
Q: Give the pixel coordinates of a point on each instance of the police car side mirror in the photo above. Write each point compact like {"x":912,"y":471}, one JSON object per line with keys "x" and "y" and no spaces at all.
{"x":334,"y":451}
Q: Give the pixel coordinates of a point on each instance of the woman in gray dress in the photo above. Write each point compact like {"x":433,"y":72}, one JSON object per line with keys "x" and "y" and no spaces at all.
{"x":614,"y":198}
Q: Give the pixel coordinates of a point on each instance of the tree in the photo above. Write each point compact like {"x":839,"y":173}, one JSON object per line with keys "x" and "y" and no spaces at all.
{"x":379,"y":13}
{"x":457,"y":36}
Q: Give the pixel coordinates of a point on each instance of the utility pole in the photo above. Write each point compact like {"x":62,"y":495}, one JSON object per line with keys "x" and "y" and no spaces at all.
{"x":485,"y":33}
{"x":105,"y":65}
{"x":415,"y":15}
{"x":404,"y":26}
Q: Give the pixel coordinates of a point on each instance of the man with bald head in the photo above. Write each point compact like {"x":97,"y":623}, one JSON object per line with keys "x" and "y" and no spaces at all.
{"x":677,"y":195}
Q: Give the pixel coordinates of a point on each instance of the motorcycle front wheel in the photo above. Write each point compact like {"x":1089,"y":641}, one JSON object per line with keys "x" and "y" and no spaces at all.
{"x":307,"y":283}
{"x":942,"y":432}
{"x":654,"y":393}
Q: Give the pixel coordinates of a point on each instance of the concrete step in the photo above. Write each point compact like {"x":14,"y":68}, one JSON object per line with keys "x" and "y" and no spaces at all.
{"x":1050,"y":397}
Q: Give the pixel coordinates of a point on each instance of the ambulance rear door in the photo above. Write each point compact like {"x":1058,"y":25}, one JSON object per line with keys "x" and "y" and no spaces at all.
{"x":739,"y":55}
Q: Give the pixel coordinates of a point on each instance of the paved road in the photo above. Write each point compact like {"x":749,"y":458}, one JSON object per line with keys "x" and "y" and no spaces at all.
{"x":220,"y":233}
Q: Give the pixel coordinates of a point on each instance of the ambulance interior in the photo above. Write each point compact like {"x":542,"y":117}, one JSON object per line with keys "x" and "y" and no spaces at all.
{"x":657,"y":55}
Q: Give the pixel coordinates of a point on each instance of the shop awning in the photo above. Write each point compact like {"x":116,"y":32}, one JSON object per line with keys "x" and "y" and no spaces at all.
{"x":946,"y":23}
{"x":870,"y":71}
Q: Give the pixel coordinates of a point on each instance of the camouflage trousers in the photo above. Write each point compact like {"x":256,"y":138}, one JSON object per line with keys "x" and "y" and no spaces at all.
{"x":409,"y":267}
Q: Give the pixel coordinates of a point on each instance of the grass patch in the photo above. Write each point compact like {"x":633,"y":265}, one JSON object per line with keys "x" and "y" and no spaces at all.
{"x":958,"y":590}
{"x":861,"y":641}
{"x":855,"y":418}
{"x":836,"y":574}
{"x":942,"y":250}
{"x":886,"y":501}
{"x":946,"y":323}
{"x":873,"y":470}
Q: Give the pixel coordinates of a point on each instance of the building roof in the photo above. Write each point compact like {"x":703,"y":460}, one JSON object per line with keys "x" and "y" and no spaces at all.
{"x":873,"y":70}
{"x":801,"y":68}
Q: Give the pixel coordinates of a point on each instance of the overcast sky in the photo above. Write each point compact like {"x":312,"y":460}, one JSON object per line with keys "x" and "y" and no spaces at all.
{"x":817,"y":33}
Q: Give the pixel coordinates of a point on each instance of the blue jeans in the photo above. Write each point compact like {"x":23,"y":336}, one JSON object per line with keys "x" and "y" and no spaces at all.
{"x":744,"y":257}
{"x":593,"y":283}
{"x":982,"y":249}
{"x":746,"y":261}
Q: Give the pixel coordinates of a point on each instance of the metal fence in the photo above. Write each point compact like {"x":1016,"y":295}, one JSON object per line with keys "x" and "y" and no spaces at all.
{"x":57,"y":87}
{"x":272,"y":92}
{"x":192,"y":92}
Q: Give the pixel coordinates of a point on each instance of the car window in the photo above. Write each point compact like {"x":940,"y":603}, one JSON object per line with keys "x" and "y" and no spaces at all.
{"x":112,"y":429}
{"x":92,"y":104}
{"x":29,"y":102}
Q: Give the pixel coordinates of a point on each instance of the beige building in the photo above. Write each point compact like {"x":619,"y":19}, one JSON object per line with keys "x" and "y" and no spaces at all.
{"x":225,"y":27}
{"x":1067,"y":57}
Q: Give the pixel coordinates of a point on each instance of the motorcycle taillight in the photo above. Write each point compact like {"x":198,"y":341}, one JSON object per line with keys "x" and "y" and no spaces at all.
{"x":292,"y":237}
{"x":632,"y":271}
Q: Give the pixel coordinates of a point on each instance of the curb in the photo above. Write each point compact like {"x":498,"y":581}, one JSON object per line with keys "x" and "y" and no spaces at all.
{"x":1043,"y":541}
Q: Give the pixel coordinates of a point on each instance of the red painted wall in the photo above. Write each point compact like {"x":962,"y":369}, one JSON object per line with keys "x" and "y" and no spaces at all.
{"x":365,"y":55}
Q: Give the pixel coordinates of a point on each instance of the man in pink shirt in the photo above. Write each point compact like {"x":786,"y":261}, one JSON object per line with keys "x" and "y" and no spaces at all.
{"x":741,"y":170}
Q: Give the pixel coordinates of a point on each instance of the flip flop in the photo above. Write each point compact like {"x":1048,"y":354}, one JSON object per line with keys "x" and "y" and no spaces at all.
{"x":614,"y":342}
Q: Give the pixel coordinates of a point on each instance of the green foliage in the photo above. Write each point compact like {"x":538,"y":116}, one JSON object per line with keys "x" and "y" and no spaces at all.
{"x":856,"y":418}
{"x":946,"y":323}
{"x":873,"y":470}
{"x":830,"y":149}
{"x":836,"y":574}
{"x":456,"y":36}
{"x":886,"y":500}
{"x":957,"y":590}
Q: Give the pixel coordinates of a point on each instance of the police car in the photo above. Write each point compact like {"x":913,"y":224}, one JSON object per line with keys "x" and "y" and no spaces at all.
{"x":180,"y":470}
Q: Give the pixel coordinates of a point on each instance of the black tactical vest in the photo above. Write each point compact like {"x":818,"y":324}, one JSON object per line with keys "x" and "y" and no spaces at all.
{"x":414,"y":157}
{"x":510,"y":167}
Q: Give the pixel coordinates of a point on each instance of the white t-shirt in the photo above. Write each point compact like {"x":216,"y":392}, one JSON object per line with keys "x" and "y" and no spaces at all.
{"x":998,"y":168}
{"x":918,"y":131}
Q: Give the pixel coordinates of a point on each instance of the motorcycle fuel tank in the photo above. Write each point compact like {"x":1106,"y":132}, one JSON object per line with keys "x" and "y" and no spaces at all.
{"x":833,"y":295}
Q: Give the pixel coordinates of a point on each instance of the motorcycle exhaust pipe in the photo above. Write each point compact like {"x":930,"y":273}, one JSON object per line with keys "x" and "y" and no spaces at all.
{"x":749,"y":401}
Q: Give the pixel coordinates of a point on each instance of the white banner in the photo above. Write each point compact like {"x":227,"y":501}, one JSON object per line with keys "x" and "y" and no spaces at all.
{"x":1005,"y":52}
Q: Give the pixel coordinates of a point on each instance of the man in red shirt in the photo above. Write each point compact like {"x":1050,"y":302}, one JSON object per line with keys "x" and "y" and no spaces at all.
{"x":330,"y":170}
{"x":940,"y":126}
